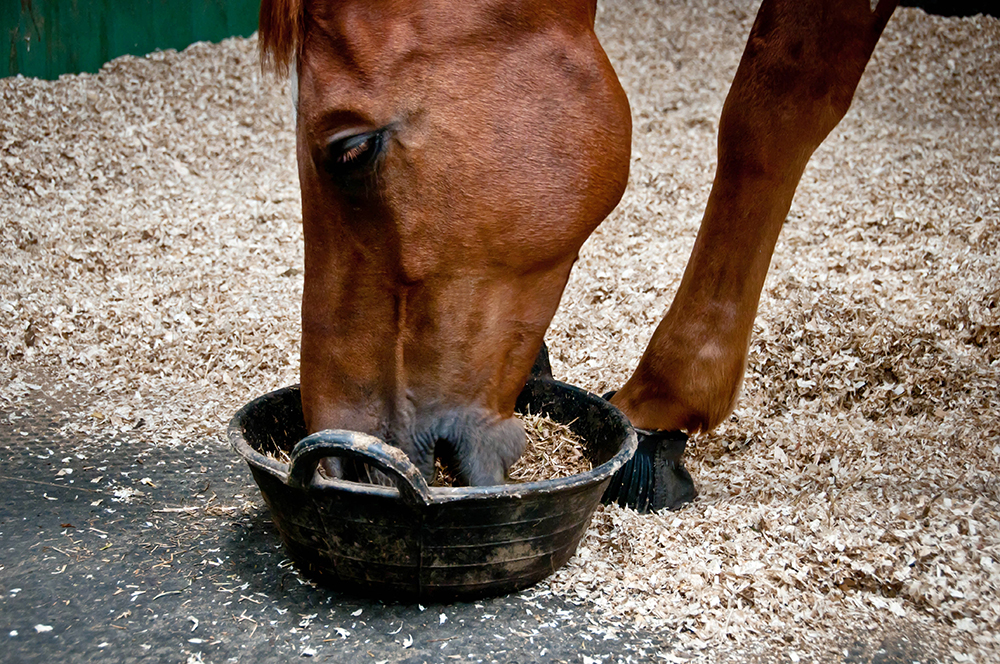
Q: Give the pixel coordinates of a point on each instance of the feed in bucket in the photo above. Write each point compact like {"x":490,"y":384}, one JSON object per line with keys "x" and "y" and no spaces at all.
{"x":552,"y":451}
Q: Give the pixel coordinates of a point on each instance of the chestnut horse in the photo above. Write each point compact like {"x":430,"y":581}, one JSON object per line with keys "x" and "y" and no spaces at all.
{"x":453,"y":157}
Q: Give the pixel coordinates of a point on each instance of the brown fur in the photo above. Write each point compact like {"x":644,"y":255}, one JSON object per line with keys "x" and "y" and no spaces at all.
{"x":802,"y":63}
{"x":499,"y":138}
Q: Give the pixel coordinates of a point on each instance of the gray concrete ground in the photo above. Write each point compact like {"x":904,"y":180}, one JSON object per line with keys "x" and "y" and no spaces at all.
{"x":112,"y":550}
{"x":152,"y":554}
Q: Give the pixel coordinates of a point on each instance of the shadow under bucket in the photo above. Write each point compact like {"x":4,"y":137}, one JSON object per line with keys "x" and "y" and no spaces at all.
{"x":420,"y":543}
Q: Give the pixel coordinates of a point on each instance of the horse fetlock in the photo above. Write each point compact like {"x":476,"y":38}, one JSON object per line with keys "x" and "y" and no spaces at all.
{"x":690,"y":394}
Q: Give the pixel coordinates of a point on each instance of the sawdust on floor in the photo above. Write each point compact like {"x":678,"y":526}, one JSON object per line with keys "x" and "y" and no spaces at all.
{"x":152,"y":251}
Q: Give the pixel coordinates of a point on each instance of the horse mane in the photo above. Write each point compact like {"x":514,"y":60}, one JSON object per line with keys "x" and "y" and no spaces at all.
{"x":280,"y":30}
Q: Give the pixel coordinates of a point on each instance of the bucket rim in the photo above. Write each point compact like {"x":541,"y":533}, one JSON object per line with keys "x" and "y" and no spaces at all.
{"x":441,"y":495}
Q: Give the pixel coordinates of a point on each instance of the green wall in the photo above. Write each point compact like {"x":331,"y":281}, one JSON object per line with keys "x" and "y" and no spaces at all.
{"x":46,"y":38}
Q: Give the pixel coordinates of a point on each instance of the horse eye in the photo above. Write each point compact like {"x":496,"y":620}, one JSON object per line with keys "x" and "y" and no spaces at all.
{"x":353,"y":156}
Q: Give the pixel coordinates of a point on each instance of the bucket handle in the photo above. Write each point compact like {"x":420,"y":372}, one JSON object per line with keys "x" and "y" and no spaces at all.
{"x":310,"y":450}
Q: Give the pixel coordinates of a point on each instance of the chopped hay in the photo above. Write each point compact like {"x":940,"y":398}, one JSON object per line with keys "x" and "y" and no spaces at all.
{"x":151,"y":239}
{"x":552,"y":451}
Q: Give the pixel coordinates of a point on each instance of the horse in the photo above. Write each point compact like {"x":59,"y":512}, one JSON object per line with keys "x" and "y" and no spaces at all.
{"x":454,"y":156}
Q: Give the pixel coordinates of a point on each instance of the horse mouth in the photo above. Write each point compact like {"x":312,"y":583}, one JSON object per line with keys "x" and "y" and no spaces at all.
{"x":476,"y":446}
{"x":479,"y":446}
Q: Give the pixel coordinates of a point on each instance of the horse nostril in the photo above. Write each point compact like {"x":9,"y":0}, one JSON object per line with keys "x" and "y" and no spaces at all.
{"x":447,"y":469}
{"x":482,"y":453}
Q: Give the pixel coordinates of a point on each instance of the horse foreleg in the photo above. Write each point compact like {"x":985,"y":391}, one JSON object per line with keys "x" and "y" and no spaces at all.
{"x":798,"y":74}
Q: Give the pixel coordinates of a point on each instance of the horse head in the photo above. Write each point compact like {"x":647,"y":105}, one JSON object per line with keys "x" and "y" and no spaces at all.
{"x":453,"y":157}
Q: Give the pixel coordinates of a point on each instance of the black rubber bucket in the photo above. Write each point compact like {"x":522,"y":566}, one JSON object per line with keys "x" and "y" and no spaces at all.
{"x":418,"y":543}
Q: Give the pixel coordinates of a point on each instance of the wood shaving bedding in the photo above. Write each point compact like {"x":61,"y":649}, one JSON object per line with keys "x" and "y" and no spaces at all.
{"x":152,"y":253}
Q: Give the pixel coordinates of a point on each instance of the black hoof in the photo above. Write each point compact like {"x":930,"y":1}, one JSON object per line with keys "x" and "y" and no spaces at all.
{"x":541,"y":368}
{"x":655,"y":477}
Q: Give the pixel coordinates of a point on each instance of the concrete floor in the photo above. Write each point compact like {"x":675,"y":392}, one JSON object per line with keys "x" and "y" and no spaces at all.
{"x":144,"y":554}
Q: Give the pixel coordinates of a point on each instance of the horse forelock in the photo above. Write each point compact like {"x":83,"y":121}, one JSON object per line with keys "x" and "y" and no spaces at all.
{"x":280,"y":33}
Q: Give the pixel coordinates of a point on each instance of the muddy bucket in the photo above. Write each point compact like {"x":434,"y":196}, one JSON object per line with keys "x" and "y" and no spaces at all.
{"x":420,"y":543}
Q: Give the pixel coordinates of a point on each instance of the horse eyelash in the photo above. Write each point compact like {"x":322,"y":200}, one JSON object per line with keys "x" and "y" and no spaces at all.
{"x":354,"y":152}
